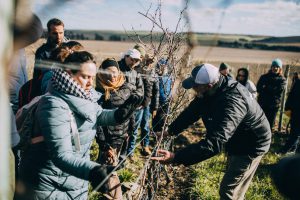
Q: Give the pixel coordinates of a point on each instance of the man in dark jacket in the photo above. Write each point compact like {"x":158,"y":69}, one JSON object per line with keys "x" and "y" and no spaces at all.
{"x":56,"y":36}
{"x":292,"y":106}
{"x":233,"y":119}
{"x":33,"y":87}
{"x":127,"y":65}
{"x":55,"y":39}
{"x":270,"y":87}
{"x":142,"y":115}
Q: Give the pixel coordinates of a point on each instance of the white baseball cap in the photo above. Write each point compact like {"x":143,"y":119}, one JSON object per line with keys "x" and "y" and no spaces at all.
{"x":202,"y":74}
{"x":133,"y":53}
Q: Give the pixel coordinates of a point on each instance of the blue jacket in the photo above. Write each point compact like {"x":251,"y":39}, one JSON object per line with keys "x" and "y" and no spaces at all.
{"x":53,"y":168}
{"x":165,"y":84}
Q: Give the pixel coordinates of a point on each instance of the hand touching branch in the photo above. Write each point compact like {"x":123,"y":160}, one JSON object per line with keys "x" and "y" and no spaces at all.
{"x":166,"y":156}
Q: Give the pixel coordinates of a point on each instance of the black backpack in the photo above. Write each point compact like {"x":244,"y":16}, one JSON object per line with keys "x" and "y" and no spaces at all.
{"x":29,"y":91}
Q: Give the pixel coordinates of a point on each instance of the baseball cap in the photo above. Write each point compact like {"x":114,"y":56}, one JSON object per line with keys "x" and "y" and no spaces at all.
{"x":202,"y":74}
{"x":277,"y":62}
{"x":133,"y":53}
{"x":141,"y":49}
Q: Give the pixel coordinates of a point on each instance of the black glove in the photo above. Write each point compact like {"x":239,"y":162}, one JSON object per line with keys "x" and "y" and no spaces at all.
{"x":127,"y":109}
{"x":98,"y":174}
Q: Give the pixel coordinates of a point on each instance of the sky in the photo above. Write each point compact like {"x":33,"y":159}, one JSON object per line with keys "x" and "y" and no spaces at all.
{"x":250,"y":17}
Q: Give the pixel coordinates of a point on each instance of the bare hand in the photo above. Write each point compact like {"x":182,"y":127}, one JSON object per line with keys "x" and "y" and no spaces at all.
{"x":154,"y":113}
{"x":166,"y":156}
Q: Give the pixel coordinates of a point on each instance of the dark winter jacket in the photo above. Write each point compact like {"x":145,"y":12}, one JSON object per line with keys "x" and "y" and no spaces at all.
{"x":150,"y":86}
{"x":270,"y":87}
{"x":113,"y":135}
{"x":133,"y":79}
{"x":232,"y":118}
{"x":293,"y":100}
{"x":44,"y":53}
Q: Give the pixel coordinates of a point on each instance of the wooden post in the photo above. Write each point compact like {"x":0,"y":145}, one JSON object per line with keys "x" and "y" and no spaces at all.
{"x":6,"y":48}
{"x":286,"y":75}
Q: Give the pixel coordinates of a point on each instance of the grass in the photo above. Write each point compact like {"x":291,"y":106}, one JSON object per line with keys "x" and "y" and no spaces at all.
{"x":207,"y":176}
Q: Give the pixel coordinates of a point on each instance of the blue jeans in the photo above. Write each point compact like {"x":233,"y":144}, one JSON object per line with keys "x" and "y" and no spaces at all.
{"x":141,"y":120}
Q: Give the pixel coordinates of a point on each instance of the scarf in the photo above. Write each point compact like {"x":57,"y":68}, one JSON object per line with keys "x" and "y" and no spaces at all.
{"x":107,"y":86}
{"x":63,"y":82}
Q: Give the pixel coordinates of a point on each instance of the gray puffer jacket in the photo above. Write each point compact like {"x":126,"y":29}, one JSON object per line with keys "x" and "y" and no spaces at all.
{"x":53,"y":169}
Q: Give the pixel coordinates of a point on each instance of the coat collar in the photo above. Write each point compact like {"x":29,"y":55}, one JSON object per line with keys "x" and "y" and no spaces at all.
{"x":83,"y":107}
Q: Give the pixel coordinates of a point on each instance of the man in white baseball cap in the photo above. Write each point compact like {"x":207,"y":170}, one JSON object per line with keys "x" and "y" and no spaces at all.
{"x":232,"y":119}
{"x":202,"y":79}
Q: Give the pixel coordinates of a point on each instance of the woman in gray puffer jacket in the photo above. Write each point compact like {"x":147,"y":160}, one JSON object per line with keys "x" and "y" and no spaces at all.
{"x":57,"y":164}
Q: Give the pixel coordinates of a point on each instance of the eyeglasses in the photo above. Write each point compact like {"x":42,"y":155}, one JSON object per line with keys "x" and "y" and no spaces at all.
{"x":241,"y":75}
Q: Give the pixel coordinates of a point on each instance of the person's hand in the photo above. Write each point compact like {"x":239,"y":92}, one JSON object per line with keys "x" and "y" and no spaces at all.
{"x":288,"y":113}
{"x":166,"y":156}
{"x":98,"y":174}
{"x":154,"y":113}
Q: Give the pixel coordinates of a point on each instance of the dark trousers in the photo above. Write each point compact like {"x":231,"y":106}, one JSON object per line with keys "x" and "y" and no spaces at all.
{"x":293,"y":141}
{"x":160,"y":118}
{"x":271,"y":115}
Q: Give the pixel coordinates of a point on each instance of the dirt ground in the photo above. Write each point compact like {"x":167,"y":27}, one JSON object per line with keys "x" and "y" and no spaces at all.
{"x":180,"y":175}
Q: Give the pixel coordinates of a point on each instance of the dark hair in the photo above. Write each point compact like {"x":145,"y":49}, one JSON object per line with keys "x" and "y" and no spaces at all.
{"x":79,"y":57}
{"x":109,"y":62}
{"x":73,"y":45}
{"x":55,"y":22}
{"x":62,"y":52}
{"x":223,"y":66}
{"x":245,"y":70}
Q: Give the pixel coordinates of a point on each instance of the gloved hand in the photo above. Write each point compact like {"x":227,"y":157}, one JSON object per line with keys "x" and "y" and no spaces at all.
{"x":126,"y":110}
{"x":98,"y":174}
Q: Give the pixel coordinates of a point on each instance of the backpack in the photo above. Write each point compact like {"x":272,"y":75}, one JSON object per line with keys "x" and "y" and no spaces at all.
{"x":25,"y":125}
{"x":29,"y":91}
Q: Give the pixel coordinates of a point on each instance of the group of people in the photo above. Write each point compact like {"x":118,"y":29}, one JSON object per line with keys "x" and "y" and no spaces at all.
{"x":70,"y":113}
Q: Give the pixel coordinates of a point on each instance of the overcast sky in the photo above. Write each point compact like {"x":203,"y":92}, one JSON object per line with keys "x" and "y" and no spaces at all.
{"x":251,"y":17}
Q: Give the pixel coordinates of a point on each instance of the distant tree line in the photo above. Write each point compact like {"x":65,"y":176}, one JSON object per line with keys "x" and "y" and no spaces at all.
{"x":251,"y":45}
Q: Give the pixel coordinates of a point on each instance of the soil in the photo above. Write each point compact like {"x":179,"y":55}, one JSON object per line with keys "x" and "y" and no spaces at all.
{"x":181,"y":176}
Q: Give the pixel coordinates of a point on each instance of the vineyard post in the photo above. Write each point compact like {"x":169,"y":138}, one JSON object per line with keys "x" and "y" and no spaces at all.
{"x":286,"y":75}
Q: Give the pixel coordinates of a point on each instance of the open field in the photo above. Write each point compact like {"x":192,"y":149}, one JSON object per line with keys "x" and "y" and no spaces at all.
{"x":235,"y":57}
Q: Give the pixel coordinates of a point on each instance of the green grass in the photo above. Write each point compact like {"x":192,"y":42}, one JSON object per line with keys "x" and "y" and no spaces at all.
{"x":207,"y":176}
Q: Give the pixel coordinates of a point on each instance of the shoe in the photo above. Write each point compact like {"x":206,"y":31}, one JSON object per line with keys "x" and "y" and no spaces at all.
{"x":130,"y":158}
{"x":146,"y":151}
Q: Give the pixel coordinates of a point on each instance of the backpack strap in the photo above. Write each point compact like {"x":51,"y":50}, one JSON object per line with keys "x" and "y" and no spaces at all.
{"x":74,"y":131}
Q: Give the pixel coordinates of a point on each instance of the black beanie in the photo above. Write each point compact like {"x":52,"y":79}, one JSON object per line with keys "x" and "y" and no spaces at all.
{"x":223,"y":66}
{"x":109,"y":62}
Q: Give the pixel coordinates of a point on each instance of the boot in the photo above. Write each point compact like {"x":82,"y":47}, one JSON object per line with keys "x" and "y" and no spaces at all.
{"x":146,"y":151}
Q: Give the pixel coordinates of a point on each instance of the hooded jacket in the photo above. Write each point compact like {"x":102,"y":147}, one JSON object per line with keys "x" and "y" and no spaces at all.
{"x":53,"y":169}
{"x":270,"y":87}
